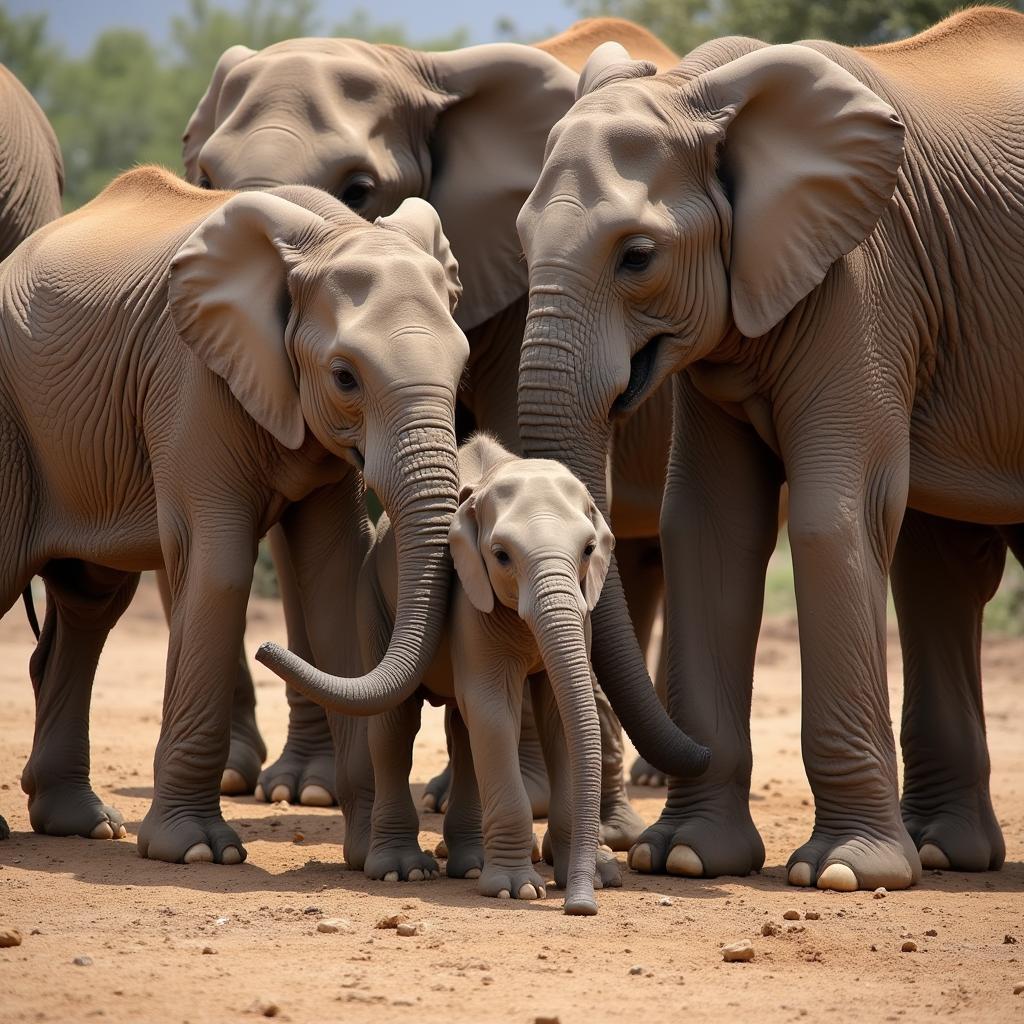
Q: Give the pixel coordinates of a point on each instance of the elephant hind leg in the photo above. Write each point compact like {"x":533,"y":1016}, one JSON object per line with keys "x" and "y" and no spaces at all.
{"x":943,"y":574}
{"x":83,"y":602}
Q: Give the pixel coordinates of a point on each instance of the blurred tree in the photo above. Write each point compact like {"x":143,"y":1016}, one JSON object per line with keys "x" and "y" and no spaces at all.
{"x":360,"y":25}
{"x":24,"y":49}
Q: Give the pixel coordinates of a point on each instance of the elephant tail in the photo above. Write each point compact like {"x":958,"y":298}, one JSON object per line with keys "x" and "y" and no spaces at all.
{"x":30,"y":610}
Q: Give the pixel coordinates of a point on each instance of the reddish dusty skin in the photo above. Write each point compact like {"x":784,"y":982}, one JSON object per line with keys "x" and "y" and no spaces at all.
{"x":145,"y":925}
{"x":809,"y":240}
{"x":487,"y":111}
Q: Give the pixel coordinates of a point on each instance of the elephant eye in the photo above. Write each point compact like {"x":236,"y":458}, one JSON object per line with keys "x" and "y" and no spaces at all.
{"x":345,"y":380}
{"x":502,"y":557}
{"x":204,"y":182}
{"x":637,"y":258}
{"x":588,"y":550}
{"x":357,"y":192}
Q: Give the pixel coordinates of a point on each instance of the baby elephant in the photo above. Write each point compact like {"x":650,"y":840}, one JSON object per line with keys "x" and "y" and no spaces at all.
{"x":531,"y":551}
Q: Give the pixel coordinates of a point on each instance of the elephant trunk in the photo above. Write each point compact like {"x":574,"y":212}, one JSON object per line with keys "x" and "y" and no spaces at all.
{"x":550,"y":428}
{"x":417,"y":483}
{"x":557,"y":624}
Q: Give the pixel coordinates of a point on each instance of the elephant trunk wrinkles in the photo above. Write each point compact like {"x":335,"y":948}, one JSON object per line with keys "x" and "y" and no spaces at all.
{"x":550,"y":427}
{"x":558,"y":627}
{"x":420,"y":503}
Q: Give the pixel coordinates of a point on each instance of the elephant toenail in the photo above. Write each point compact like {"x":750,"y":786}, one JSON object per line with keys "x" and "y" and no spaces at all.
{"x":504,"y":894}
{"x":933,"y":858}
{"x":102,"y":831}
{"x":415,"y":875}
{"x":199,"y":854}
{"x":315,"y":796}
{"x":683,"y":861}
{"x":838,"y":877}
{"x":473,"y":873}
{"x":391,"y":876}
{"x":259,"y":794}
{"x":640,"y":857}
{"x":800,"y":874}
{"x":280,"y":792}
{"x":232,"y":783}
{"x":231,"y":855}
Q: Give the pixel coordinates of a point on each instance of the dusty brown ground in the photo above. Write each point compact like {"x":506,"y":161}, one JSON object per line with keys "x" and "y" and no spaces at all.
{"x":145,"y":924}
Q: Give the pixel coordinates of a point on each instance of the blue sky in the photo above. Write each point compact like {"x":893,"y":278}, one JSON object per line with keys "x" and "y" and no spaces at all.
{"x":75,"y":23}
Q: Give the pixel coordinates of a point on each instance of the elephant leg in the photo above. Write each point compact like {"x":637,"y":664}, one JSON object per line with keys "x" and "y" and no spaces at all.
{"x":558,"y":837}
{"x":643,"y":582}
{"x":83,"y":603}
{"x":211,"y":576}
{"x":943,"y":574}
{"x":463,"y":835}
{"x":395,"y":854}
{"x":435,"y":792}
{"x":305,"y":770}
{"x":620,"y":823}
{"x":718,"y":532}
{"x":247,"y":751}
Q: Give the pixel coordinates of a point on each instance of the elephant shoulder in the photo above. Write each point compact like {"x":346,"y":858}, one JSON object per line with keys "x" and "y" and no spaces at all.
{"x":573,"y":46}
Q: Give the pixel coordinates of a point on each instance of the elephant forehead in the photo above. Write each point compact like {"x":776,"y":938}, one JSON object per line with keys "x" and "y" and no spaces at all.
{"x":532,"y":488}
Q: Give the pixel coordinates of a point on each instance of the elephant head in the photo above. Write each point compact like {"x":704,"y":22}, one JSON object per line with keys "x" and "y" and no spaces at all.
{"x":374,"y":125}
{"x":528,"y":535}
{"x":675,"y":214}
{"x":337,"y":335}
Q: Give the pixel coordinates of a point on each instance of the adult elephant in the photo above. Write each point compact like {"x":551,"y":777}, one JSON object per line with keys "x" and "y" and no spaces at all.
{"x":814,"y":242}
{"x":373,"y":125}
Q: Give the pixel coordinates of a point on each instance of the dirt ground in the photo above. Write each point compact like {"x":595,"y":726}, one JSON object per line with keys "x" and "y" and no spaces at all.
{"x":145,"y":925}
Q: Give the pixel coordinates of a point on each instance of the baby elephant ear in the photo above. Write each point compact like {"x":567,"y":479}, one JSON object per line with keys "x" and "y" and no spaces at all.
{"x":609,"y":63}
{"x":600,"y":560}
{"x":464,"y":543}
{"x":418,"y":221}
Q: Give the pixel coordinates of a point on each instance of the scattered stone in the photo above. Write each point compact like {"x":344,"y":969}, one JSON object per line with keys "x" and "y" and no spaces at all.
{"x":221,"y":921}
{"x":486,"y":979}
{"x":791,"y":915}
{"x":208,"y":951}
{"x":411,"y":928}
{"x":910,"y":946}
{"x":665,"y":901}
{"x":82,"y":961}
{"x":738,"y":952}
{"x":312,"y":910}
{"x":812,"y":915}
{"x":770,"y":929}
{"x":542,"y":956}
{"x":547,"y":1020}
{"x":1009,"y":940}
{"x":9,"y":937}
{"x":282,"y":805}
{"x":333,"y":925}
{"x":298,"y":838}
{"x":795,"y":928}
{"x":1018,"y":989}
{"x":931,"y":933}
{"x":874,"y":948}
{"x":393,"y":921}
{"x":636,"y":969}
{"x":880,"y":893}
{"x":265,"y":1007}
{"x":35,"y":931}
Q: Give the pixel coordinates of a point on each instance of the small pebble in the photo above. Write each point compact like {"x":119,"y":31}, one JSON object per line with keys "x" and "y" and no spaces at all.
{"x":82,"y":961}
{"x":222,"y":920}
{"x":636,"y":969}
{"x":1018,"y":989}
{"x":282,"y":805}
{"x":393,"y":921}
{"x":874,"y":948}
{"x":665,"y":901}
{"x":791,"y":915}
{"x":770,"y":928}
{"x":9,"y":937}
{"x":880,"y":893}
{"x":298,"y":838}
{"x":1009,"y":940}
{"x":812,"y":915}
{"x":547,"y":1020}
{"x":931,"y":933}
{"x":208,"y":951}
{"x":333,"y":925}
{"x":411,"y":928}
{"x":738,"y":952}
{"x":265,"y":1007}
{"x":312,"y":910}
{"x":910,"y":946}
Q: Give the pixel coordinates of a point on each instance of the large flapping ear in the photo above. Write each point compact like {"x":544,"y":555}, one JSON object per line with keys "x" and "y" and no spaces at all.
{"x":487,"y":150}
{"x":810,"y":160}
{"x":464,"y":543}
{"x":228,"y":297}
{"x":418,"y":221}
{"x":610,"y":62}
{"x":204,"y":118}
{"x":600,"y":560}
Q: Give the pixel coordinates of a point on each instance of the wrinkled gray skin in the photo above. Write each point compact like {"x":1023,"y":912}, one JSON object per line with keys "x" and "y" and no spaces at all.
{"x":31,"y":178}
{"x":216,"y":363}
{"x":531,"y":551}
{"x":753,"y":220}
{"x":372,"y":125}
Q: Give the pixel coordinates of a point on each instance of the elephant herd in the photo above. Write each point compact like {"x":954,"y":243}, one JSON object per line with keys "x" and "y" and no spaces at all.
{"x":660,"y":289}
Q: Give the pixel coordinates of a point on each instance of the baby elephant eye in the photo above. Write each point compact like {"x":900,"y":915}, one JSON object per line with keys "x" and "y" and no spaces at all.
{"x":589,"y":550}
{"x":502,"y":557}
{"x":637,"y":258}
{"x":357,"y":192}
{"x":204,"y":182}
{"x":345,"y":380}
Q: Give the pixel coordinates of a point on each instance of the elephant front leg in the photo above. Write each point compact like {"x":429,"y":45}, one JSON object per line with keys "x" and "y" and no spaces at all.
{"x":463,"y":836}
{"x":719,"y":528}
{"x":210,"y":590}
{"x":943,"y":574}
{"x":395,"y":854}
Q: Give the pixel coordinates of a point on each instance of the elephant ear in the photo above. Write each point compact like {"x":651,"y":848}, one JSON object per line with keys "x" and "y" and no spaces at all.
{"x":600,"y":560}
{"x":419,"y":222}
{"x":486,"y":153}
{"x":810,"y":159}
{"x":610,"y":62}
{"x":464,"y":544}
{"x":228,"y":298}
{"x":204,"y":118}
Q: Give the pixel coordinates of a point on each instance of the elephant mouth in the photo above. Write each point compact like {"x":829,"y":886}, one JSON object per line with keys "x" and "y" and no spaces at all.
{"x":640,"y":372}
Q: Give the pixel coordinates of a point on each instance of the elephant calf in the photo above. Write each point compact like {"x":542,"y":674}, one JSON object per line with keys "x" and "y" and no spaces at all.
{"x":531,"y":551}
{"x":179,"y":370}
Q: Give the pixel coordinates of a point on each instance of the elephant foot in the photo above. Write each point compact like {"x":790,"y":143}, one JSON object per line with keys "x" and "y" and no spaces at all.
{"x":519,"y":882}
{"x":245,"y":758}
{"x":435,"y":793}
{"x":188,"y":838}
{"x":301,"y":777}
{"x":718,"y":837}
{"x":621,"y":826}
{"x":955,"y":830}
{"x":607,"y":872}
{"x":464,"y":859}
{"x":405,"y":863}
{"x":356,"y":844}
{"x":74,"y":810}
{"x":846,"y":861}
{"x":643,"y":773}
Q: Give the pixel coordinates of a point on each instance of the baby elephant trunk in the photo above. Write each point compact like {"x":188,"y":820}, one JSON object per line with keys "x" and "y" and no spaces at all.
{"x":557,"y":623}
